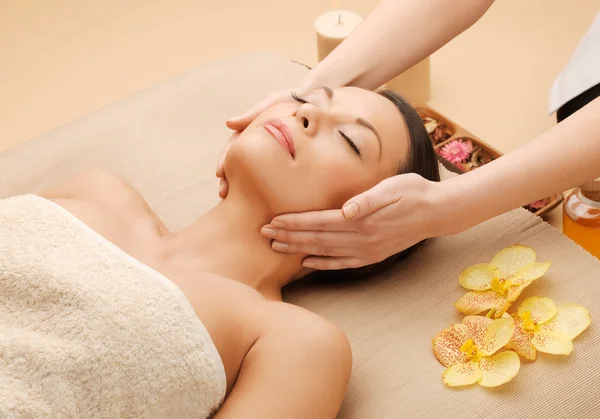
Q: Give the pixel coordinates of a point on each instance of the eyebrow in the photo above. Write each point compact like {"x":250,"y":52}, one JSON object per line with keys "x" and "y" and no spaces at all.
{"x":328,"y":91}
{"x":360,"y":121}
{"x":366,"y":123}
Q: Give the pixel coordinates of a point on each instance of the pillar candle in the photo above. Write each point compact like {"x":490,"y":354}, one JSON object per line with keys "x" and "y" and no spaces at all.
{"x":332,"y":28}
{"x":414,"y":84}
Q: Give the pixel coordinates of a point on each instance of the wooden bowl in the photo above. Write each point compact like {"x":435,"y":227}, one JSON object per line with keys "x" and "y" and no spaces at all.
{"x":482,"y":153}
{"x":551,"y":203}
{"x":461,"y":134}
{"x":445,"y":125}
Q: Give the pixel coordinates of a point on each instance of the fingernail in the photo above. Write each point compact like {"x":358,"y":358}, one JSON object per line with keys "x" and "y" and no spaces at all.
{"x":268,"y":232}
{"x":221,"y":186}
{"x":234,"y":119}
{"x":350,"y":210}
{"x":310,"y":265}
{"x":277,"y":224}
{"x":280,"y":247}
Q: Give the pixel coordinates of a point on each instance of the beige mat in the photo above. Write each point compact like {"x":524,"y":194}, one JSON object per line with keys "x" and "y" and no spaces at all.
{"x":166,"y":142}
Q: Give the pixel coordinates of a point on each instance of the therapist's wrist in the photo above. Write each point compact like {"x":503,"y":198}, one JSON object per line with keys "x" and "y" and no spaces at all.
{"x":312,"y":80}
{"x":326,"y":73}
{"x":452,"y":202}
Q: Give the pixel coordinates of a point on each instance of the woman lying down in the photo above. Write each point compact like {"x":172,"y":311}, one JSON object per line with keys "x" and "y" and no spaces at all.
{"x":106,"y":313}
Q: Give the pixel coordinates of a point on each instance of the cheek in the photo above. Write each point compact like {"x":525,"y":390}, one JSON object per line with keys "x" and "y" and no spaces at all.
{"x":335,"y":180}
{"x":255,"y":159}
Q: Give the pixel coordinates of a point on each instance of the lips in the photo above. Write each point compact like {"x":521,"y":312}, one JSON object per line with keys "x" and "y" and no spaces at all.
{"x":282,"y":134}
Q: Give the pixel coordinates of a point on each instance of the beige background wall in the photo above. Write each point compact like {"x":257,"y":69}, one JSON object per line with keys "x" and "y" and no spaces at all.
{"x":61,"y":59}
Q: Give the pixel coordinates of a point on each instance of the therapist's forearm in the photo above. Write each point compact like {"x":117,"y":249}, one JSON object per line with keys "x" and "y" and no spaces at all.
{"x":395,"y":36}
{"x":564,"y":157}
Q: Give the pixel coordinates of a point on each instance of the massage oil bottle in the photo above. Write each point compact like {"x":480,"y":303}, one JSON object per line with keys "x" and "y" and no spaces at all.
{"x":581,"y":217}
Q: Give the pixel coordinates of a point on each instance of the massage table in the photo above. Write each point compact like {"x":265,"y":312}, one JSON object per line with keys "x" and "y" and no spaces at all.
{"x":166,"y":142}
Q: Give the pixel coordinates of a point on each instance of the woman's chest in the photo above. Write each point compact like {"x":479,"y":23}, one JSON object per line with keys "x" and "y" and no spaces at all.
{"x":230,"y":311}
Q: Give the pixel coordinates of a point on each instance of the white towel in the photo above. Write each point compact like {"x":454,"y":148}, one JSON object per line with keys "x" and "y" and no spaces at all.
{"x":582,"y":71}
{"x":87,"y":331}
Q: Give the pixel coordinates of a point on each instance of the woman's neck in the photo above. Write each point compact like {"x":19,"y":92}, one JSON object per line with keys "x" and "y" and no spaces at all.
{"x":226,"y":241}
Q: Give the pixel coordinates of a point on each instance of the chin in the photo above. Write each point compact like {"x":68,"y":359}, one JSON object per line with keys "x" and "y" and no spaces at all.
{"x":254,"y":166}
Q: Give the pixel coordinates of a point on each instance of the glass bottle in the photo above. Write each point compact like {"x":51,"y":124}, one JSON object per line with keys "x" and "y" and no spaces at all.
{"x":581,"y":216}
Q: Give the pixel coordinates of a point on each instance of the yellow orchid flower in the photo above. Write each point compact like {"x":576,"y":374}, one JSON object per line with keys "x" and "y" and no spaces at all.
{"x":468,"y":351}
{"x":496,"y":285}
{"x":542,"y":326}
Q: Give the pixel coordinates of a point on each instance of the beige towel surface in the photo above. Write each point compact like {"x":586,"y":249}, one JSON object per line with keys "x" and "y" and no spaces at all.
{"x":87,"y":331}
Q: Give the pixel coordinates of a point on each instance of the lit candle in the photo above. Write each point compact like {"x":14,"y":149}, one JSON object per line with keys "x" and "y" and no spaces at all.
{"x":332,"y":28}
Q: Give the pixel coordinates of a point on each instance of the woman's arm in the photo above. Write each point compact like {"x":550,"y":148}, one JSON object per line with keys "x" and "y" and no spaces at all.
{"x":563,"y":157}
{"x":396,"y":35}
{"x":297,"y":370}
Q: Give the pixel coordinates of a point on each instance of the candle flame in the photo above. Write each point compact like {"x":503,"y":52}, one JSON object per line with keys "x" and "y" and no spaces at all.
{"x":335,"y":4}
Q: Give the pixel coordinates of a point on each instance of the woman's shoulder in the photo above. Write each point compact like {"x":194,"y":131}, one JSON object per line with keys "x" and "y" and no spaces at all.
{"x":95,"y":185}
{"x":309,"y":330}
{"x":302,"y":361}
{"x":103,"y":189}
{"x":108,"y":204}
{"x":299,"y":366}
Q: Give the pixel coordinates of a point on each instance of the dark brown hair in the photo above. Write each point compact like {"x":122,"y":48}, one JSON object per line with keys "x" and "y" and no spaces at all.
{"x":421,"y":160}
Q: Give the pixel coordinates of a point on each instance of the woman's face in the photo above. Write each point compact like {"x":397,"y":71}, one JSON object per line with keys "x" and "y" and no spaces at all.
{"x":317,"y":153}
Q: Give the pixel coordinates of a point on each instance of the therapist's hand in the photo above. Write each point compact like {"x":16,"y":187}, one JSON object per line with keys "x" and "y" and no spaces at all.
{"x":223,"y":185}
{"x":239,"y":123}
{"x":392,"y":216}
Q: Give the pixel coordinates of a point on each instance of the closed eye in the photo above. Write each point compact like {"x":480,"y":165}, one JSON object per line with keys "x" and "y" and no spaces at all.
{"x":351,"y":143}
{"x":298,"y":98}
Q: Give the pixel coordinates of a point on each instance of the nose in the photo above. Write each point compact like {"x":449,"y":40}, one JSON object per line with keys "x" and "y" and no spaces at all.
{"x":309,"y":118}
